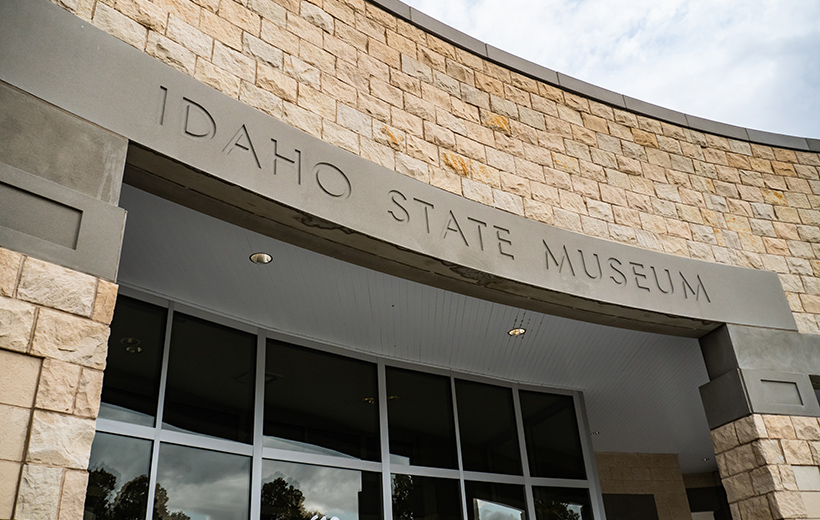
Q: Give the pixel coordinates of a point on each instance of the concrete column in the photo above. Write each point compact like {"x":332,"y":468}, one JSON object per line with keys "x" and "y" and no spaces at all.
{"x":53,"y":343}
{"x":769,"y":466}
{"x":763,"y":414}
{"x":61,"y":232}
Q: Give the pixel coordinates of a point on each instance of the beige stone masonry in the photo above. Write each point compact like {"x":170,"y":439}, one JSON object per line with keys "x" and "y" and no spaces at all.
{"x":57,"y":287}
{"x":345,"y":70}
{"x":769,"y":466}
{"x":53,"y":341}
{"x":655,"y":474}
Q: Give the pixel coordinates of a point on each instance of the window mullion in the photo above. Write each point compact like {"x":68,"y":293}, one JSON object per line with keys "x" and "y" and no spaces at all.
{"x":258,"y":425}
{"x":163,"y":378}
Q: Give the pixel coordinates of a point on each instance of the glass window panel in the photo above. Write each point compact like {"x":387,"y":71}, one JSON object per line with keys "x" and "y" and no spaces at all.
{"x":211,"y":372}
{"x":551,"y":435}
{"x":561,"y":503}
{"x":425,"y":498}
{"x":486,"y":426}
{"x":489,"y":501}
{"x":420,"y":419}
{"x":320,"y":403}
{"x":117,"y":478}
{"x":197,"y":484}
{"x":292,"y":491}
{"x":131,"y":384}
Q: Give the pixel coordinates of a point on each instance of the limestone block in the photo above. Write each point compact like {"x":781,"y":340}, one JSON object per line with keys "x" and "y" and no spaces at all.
{"x":57,"y":287}
{"x":105,"y":302}
{"x":755,"y":508}
{"x":797,"y":452}
{"x":787,"y":477}
{"x":779,"y":426}
{"x":766,"y":479}
{"x":739,"y":459}
{"x":217,"y":78}
{"x":190,"y":37}
{"x":738,"y":487}
{"x":724,"y":438}
{"x":807,"y":477}
{"x":768,"y":452}
{"x":508,"y":202}
{"x":317,"y":17}
{"x":9,"y":476}
{"x":751,"y":428}
{"x":787,"y":504}
{"x":16,"y":323}
{"x":261,"y":99}
{"x":58,"y":385}
{"x":9,"y":269}
{"x":18,"y":378}
{"x":240,"y":16}
{"x":171,"y":52}
{"x":39,"y":496}
{"x":811,"y":501}
{"x":13,"y":431}
{"x":60,"y":440}
{"x":69,"y":338}
{"x":88,"y":394}
{"x":121,"y":26}
{"x":806,"y":427}
{"x":73,"y":495}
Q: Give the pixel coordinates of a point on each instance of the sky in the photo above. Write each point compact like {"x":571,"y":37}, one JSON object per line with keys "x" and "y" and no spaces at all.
{"x":750,"y":63}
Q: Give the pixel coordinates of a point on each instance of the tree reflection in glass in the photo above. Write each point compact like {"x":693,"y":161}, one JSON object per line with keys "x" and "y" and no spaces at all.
{"x":493,"y":501}
{"x":562,"y":503}
{"x":202,"y":484}
{"x":292,"y":491}
{"x":425,"y":498}
{"x":118,"y":478}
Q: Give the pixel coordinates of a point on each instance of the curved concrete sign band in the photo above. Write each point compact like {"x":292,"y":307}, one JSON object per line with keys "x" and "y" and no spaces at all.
{"x":65,"y":61}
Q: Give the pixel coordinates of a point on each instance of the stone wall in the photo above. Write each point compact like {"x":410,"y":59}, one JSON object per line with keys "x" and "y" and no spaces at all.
{"x":53,"y":343}
{"x":364,"y":80}
{"x":768,"y":464}
{"x":655,"y":474}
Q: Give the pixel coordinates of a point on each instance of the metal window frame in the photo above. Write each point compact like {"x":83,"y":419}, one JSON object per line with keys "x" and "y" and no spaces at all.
{"x":258,"y":453}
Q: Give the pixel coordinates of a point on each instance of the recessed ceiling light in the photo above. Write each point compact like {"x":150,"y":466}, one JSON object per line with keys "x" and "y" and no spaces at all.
{"x":596,"y":433}
{"x":261,"y":258}
{"x":705,"y":459}
{"x":132,"y":345}
{"x":517,"y":332}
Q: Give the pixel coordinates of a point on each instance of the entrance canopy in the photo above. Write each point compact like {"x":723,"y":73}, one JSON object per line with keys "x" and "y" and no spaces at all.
{"x":640,"y":389}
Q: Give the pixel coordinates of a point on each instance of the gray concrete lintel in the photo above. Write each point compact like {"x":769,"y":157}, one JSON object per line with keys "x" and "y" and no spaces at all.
{"x":759,"y":370}
{"x":51,"y":222}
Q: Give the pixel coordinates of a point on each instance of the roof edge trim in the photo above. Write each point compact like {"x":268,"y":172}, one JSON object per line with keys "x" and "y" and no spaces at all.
{"x":588,"y":90}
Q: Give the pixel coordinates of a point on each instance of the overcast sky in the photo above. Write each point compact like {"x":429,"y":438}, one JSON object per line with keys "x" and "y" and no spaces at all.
{"x":751,"y":63}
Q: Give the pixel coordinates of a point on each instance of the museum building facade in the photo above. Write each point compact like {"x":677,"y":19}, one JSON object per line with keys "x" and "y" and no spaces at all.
{"x":334,"y":260}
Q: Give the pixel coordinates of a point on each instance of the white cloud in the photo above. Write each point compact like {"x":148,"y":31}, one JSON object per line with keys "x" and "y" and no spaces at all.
{"x":752,"y":63}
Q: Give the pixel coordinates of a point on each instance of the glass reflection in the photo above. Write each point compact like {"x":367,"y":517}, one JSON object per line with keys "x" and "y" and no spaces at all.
{"x":211,"y":372}
{"x":131,"y":384}
{"x":425,"y":498}
{"x":486,"y":510}
{"x":562,"y":503}
{"x":317,"y":402}
{"x":420,"y":419}
{"x":551,"y":435}
{"x":117,"y":478}
{"x":292,"y":491}
{"x":486,"y":420}
{"x":490,"y":501}
{"x":201,"y":485}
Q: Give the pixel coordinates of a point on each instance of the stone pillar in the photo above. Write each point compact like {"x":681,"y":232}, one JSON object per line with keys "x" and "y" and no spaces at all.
{"x":53,"y":344}
{"x":769,"y":466}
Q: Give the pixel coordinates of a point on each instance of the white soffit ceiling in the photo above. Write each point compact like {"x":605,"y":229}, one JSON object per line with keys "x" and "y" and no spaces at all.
{"x":641,"y":389}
